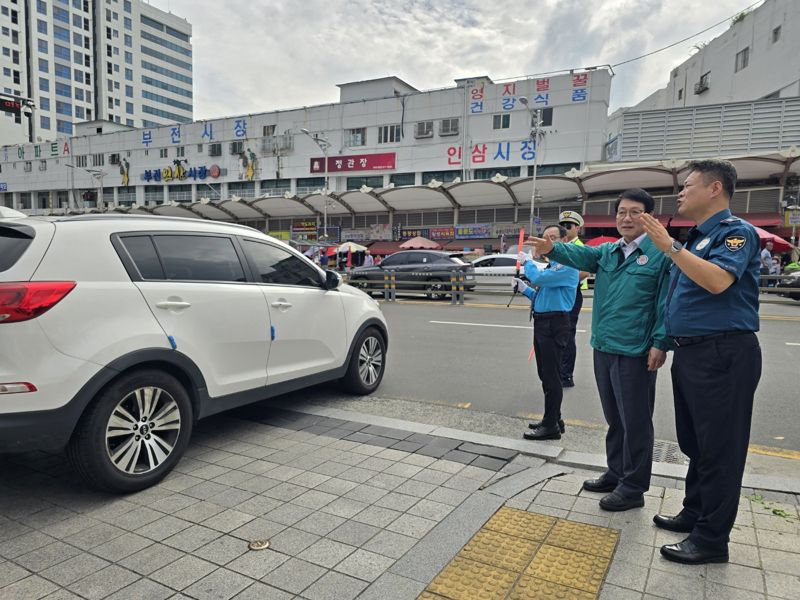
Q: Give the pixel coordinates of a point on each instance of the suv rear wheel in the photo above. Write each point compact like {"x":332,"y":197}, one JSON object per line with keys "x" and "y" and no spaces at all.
{"x":134,"y":432}
{"x":367,"y":363}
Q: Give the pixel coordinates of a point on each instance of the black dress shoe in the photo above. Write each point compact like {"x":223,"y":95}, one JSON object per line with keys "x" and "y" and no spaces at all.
{"x":601,"y":484}
{"x":617,"y":502}
{"x":689,"y":553}
{"x":679,"y":523}
{"x":567,"y":382}
{"x":536,"y":424}
{"x":543,"y":433}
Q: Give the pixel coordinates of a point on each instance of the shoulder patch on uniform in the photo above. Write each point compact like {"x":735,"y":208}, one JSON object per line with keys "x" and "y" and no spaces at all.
{"x":730,"y":220}
{"x":734,"y":243}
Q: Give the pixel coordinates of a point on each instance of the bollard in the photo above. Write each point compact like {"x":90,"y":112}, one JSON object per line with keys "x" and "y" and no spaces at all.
{"x":393,"y":288}
{"x":461,"y":278}
{"x":453,"y":288}
{"x":386,"y":293}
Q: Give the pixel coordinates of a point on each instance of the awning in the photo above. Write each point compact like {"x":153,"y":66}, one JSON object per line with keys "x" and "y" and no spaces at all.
{"x":477,"y":244}
{"x":383,"y":248}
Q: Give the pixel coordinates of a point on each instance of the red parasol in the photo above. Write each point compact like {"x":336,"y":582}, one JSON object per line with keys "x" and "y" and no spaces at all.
{"x":601,"y":240}
{"x":778,"y":243}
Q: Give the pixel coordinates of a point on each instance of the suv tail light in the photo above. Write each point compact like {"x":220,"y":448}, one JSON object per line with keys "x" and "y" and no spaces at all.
{"x":24,"y":301}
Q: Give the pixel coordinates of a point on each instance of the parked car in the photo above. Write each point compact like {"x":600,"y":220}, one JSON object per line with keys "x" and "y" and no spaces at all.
{"x":791,"y":280}
{"x":427,"y":270}
{"x":119,"y":332}
{"x":498,"y":268}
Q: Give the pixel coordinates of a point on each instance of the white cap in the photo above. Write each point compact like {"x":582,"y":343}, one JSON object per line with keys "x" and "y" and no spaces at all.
{"x":570,"y":216}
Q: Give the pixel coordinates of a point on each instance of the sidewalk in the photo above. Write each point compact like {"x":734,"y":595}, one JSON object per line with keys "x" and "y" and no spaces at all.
{"x":359,"y":506}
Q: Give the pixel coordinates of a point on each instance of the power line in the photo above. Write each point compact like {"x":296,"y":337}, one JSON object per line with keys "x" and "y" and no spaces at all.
{"x":686,"y":39}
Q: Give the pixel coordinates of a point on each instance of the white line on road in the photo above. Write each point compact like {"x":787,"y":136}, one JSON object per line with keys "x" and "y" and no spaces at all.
{"x":490,"y":325}
{"x":792,"y":344}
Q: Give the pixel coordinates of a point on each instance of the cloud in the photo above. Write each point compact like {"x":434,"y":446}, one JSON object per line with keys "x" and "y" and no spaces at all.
{"x":261,"y":55}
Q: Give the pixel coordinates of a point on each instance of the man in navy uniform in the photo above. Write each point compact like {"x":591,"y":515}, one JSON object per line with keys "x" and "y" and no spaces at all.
{"x":572,"y":222}
{"x":712,"y":315}
{"x":550,"y":306}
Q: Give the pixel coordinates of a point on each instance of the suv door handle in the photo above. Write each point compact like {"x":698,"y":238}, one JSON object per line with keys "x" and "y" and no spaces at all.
{"x":281,"y":304}
{"x":167,"y":304}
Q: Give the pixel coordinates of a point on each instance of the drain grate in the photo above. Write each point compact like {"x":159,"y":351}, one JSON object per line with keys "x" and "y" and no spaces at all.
{"x":669,"y":452}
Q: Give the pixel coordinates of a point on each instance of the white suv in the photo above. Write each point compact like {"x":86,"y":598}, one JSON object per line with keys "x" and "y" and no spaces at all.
{"x":118,"y":332}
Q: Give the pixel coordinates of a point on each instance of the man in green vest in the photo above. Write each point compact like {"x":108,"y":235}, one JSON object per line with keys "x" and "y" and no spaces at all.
{"x":630,"y":343}
{"x":573,"y":223}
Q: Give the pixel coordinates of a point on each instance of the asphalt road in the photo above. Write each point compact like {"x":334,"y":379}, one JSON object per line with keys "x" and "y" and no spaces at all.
{"x":475,"y":357}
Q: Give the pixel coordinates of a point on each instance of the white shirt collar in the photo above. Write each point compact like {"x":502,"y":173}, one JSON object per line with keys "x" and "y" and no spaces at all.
{"x":628,"y":248}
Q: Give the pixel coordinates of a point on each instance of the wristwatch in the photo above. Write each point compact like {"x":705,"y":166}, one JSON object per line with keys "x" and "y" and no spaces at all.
{"x":673,"y":249}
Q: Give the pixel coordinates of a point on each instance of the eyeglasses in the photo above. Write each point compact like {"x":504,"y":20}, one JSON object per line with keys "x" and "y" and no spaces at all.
{"x":634,"y":213}
{"x":568,"y":225}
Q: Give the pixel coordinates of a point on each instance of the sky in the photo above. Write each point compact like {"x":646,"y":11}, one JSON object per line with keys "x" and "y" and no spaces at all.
{"x":254,"y":56}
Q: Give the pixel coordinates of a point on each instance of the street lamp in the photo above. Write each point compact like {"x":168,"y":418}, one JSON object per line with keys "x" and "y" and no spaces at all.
{"x":536,"y":123}
{"x":324,"y":145}
{"x":98,"y":175}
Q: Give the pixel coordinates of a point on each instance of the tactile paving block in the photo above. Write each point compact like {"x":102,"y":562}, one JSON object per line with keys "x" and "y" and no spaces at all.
{"x":589,"y":539}
{"x":530,"y":588}
{"x":568,"y":568}
{"x":521,"y":523}
{"x":500,"y":550}
{"x":465,"y":579}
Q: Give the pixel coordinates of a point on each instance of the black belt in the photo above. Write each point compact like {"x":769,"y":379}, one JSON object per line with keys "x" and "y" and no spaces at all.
{"x":545,"y":315}
{"x":690,"y":341}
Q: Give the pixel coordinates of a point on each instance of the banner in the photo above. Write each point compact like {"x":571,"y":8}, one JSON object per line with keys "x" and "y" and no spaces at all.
{"x":356,"y":162}
{"x":356,"y":235}
{"x":381,"y":231}
{"x":474,"y":231}
{"x":406,"y":233}
{"x":442,"y":233}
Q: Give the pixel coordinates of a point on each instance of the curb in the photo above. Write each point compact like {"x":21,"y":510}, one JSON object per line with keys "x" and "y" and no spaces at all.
{"x":551,"y":453}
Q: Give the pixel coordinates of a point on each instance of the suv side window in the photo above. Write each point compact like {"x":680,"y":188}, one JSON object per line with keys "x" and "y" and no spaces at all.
{"x":395,"y":260}
{"x":13,"y":243}
{"x":144,"y":256}
{"x":505,"y":261}
{"x":275,"y":265}
{"x":199,"y":258}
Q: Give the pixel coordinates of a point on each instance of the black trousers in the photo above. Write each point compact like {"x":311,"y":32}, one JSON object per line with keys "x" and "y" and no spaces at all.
{"x":550,"y":333}
{"x":568,"y":361}
{"x":628,"y":395}
{"x":714,"y":383}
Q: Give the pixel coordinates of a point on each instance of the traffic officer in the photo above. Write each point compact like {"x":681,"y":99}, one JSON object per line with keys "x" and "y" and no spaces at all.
{"x":629,"y":344}
{"x":712,"y":314}
{"x":573,"y":223}
{"x":550,"y":306}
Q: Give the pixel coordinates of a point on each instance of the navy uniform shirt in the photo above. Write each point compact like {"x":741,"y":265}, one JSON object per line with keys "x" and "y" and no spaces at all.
{"x":731,"y":244}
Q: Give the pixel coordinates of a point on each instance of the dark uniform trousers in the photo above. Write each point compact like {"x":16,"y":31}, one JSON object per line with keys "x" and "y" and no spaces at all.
{"x":550,"y":333}
{"x":628,"y":394}
{"x":714,"y":383}
{"x":568,"y":361}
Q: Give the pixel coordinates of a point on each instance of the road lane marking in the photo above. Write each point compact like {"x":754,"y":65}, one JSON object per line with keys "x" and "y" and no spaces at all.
{"x":792,"y":344}
{"x":772,"y":451}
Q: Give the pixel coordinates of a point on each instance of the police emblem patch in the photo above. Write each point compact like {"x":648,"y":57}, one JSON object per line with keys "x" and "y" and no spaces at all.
{"x":703,"y":244}
{"x":642,"y":260}
{"x":734,"y":243}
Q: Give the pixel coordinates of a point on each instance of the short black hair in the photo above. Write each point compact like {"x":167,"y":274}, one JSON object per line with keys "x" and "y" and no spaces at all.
{"x":637,"y":195}
{"x":716,"y":170}
{"x":562,"y":231}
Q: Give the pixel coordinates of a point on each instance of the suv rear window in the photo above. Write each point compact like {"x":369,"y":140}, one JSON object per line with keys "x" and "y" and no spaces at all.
{"x":199,"y":258}
{"x":13,"y":243}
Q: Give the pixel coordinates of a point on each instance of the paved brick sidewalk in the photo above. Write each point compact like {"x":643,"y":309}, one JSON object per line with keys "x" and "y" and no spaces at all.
{"x":352,"y":509}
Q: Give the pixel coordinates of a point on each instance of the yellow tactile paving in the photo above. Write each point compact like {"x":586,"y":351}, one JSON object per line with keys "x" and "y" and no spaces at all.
{"x":589,"y":539}
{"x":520,"y":523}
{"x":530,"y":588}
{"x":500,"y":550}
{"x":567,"y":567}
{"x":520,"y":555}
{"x":466,"y":579}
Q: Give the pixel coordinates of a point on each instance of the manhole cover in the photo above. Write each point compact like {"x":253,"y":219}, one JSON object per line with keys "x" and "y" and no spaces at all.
{"x":668,"y":452}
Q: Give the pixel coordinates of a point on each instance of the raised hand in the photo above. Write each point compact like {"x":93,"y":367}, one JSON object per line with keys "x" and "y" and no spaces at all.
{"x":540,"y":245}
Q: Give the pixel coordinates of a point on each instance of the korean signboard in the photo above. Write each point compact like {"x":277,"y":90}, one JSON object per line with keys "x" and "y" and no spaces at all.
{"x":355,"y":162}
{"x":474,"y":231}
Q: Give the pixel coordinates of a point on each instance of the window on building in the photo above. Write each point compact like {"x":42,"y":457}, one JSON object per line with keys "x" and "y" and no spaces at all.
{"x":162,"y":153}
{"x":237,"y":147}
{"x":41,"y":7}
{"x":129,"y":108}
{"x":269,"y":130}
{"x":44,"y":66}
{"x":355,"y":183}
{"x":443,"y":176}
{"x":742,"y":59}
{"x":501,"y":121}
{"x":61,"y":52}
{"x":388,"y":134}
{"x":44,"y":122}
{"x":64,"y":126}
{"x":128,"y":58}
{"x":776,"y":34}
{"x":60,"y":33}
{"x":44,"y":84}
{"x":81,"y":161}
{"x":128,"y":40}
{"x":44,"y":103}
{"x":80,"y":112}
{"x":98,"y":160}
{"x":127,"y":23}
{"x":129,"y":91}
{"x":402,"y":179}
{"x":489,"y":173}
{"x":128,"y":74}
{"x":78,"y":93}
{"x":680,"y":94}
{"x":215,"y":149}
{"x":62,"y":89}
{"x":448,"y":127}
{"x":355,"y":137}
{"x":63,"y":71}
{"x":43,"y":46}
{"x":545,"y":116}
{"x":78,"y":76}
{"x":423,"y":129}
{"x":180,"y":151}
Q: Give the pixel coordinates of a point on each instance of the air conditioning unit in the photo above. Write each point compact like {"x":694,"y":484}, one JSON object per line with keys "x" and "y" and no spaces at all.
{"x":700,"y":87}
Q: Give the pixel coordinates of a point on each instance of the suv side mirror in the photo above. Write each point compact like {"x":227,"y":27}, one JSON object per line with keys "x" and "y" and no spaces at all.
{"x":332,"y":280}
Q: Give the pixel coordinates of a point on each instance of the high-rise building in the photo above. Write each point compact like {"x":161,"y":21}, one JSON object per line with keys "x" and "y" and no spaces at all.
{"x":82,"y":60}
